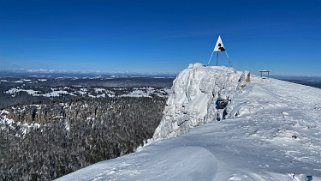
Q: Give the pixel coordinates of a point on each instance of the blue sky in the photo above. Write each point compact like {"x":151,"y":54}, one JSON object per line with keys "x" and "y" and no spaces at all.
{"x":149,"y":36}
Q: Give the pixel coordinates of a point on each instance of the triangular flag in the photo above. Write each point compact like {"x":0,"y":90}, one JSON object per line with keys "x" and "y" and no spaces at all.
{"x":219,"y":47}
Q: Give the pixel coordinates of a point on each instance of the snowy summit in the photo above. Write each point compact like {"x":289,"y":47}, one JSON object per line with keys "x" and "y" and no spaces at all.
{"x":221,"y":124}
{"x":197,"y":95}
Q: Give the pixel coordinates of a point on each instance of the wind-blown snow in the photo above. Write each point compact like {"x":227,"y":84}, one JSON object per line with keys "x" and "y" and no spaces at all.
{"x":272,"y":132}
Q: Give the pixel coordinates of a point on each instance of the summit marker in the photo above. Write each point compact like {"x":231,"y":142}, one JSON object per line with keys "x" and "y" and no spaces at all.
{"x":219,"y":48}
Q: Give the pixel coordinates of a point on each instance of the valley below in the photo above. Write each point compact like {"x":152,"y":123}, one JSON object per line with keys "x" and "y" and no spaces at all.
{"x":50,"y":127}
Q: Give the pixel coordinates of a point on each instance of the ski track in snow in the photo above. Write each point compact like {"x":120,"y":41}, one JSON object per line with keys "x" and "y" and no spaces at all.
{"x":272,"y":133}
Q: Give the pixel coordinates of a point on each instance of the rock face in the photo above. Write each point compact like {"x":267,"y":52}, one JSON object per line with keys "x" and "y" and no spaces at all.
{"x":199,"y":95}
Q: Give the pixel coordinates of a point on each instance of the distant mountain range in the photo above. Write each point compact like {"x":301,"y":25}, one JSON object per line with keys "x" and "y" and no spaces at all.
{"x":312,"y":81}
{"x":79,"y":74}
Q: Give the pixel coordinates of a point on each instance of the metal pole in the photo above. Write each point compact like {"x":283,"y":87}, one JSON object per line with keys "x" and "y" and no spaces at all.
{"x":217,"y":59}
{"x":228,"y":59}
{"x":210,"y":58}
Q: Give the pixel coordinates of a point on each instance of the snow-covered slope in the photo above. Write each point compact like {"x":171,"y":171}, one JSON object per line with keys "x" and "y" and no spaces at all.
{"x":271,"y":132}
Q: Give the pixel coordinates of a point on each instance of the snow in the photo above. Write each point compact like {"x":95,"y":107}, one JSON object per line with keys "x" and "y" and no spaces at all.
{"x":142,"y":92}
{"x":67,"y":125}
{"x":42,"y":80}
{"x":26,"y":80}
{"x":101,"y":92}
{"x":147,"y":92}
{"x":110,"y":93}
{"x":83,"y":91}
{"x":165,"y":92}
{"x":56,"y":93}
{"x":18,"y":81}
{"x":97,"y":96}
{"x":53,"y":93}
{"x":136,"y":93}
{"x":4,"y":120}
{"x":24,"y":128}
{"x":194,"y":94}
{"x":271,"y":132}
{"x":14,"y":91}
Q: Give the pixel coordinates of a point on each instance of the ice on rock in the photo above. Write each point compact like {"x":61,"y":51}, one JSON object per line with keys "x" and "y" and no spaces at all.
{"x":194,"y":95}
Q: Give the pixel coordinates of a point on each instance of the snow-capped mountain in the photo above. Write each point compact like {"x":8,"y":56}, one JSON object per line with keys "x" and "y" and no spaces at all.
{"x":271,"y":131}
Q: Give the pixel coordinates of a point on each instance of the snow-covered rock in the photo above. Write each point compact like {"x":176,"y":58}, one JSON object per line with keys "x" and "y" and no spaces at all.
{"x":195,"y":95}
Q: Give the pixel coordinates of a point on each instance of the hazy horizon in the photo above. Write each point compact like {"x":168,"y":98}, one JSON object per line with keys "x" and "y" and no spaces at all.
{"x":159,"y":36}
{"x":62,"y":73}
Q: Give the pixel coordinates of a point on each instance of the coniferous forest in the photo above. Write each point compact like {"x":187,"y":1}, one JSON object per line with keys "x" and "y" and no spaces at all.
{"x":74,"y":134}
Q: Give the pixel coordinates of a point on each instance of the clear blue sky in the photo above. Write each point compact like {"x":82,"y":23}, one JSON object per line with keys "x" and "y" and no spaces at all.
{"x":160,"y":35}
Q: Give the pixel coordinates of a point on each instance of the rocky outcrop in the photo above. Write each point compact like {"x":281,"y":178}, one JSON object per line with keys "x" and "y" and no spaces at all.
{"x":199,"y":95}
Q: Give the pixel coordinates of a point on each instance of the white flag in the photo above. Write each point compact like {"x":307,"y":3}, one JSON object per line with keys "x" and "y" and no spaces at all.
{"x":219,"y":47}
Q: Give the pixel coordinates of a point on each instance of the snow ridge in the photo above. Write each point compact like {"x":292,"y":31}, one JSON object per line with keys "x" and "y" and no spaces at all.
{"x":195,"y":95}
